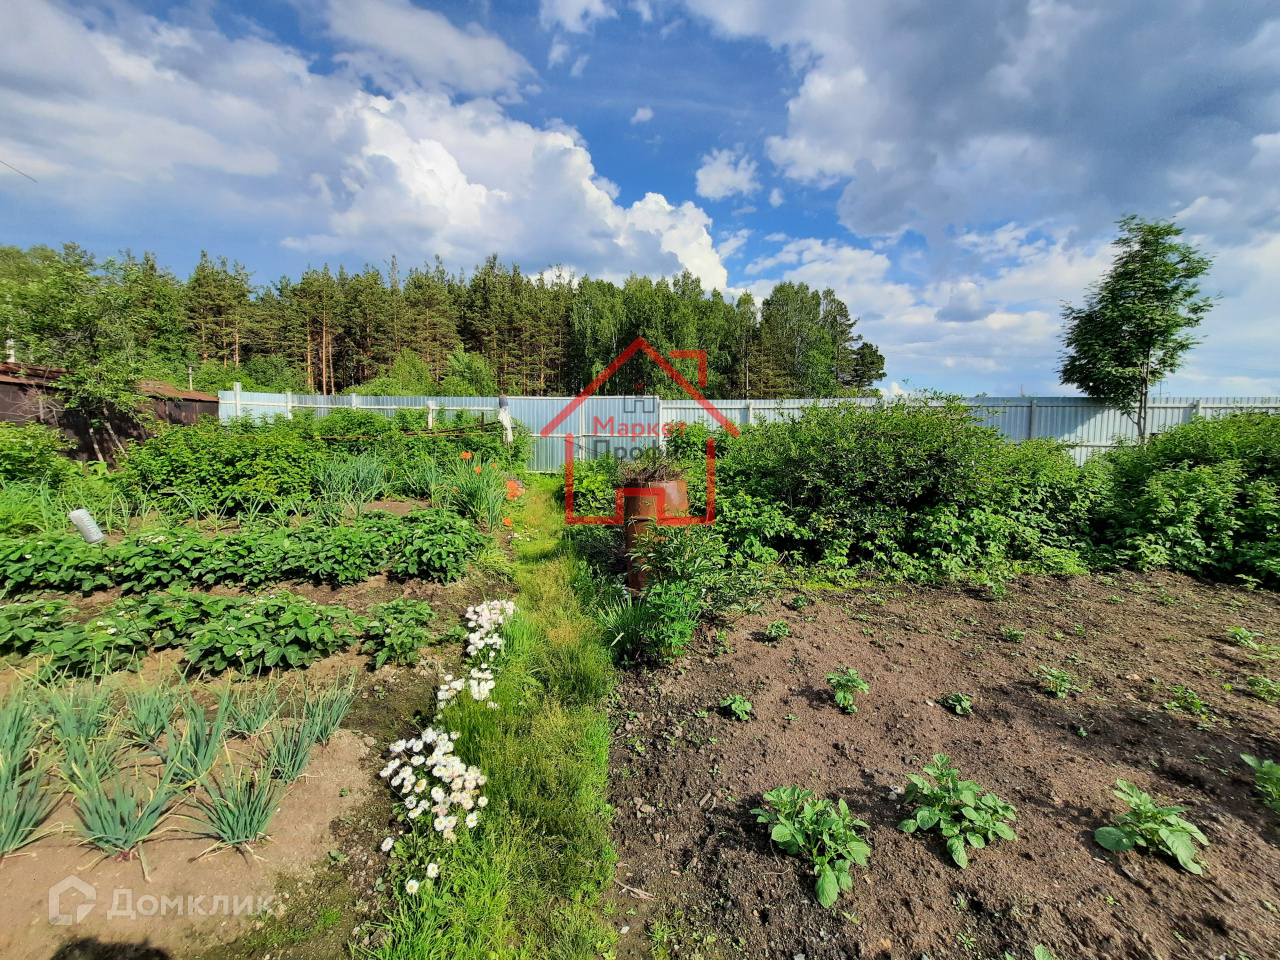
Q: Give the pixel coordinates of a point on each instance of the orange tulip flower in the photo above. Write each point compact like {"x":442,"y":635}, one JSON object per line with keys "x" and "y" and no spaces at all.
{"x":506,"y":521}
{"x":477,"y":469}
{"x":466,"y":454}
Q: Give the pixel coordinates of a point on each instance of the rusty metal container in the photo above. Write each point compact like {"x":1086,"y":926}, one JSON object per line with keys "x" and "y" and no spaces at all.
{"x":640,"y":514}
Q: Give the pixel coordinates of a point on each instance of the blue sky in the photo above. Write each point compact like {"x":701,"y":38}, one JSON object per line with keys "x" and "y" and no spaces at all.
{"x":953,"y":171}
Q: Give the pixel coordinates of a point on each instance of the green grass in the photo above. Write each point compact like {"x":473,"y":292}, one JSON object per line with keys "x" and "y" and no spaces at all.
{"x":526,"y":882}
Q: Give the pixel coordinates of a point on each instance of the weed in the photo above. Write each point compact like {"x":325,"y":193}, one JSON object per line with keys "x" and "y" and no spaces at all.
{"x":846,"y":682}
{"x":777,"y":630}
{"x":1012,"y":635}
{"x":957,"y":809}
{"x":1154,"y":827}
{"x":239,"y":808}
{"x":1188,"y":701}
{"x":959,"y":703}
{"x":1264,"y":689}
{"x":1267,"y":775}
{"x":1056,"y":682}
{"x":823,"y":832}
{"x":738,"y":706}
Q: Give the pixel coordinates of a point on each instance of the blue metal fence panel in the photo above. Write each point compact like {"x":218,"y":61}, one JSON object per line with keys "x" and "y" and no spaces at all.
{"x":610,"y":424}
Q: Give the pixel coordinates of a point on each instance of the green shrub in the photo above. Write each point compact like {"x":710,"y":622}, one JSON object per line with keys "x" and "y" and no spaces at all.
{"x":33,"y":452}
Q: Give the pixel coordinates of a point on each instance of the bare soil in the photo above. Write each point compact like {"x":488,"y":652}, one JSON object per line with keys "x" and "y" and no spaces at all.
{"x":707,"y":881}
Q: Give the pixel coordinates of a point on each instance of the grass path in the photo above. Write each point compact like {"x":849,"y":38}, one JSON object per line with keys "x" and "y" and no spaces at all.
{"x":527,"y":882}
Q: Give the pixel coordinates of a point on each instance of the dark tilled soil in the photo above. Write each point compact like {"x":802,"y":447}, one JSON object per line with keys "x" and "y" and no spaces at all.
{"x":685,"y":776}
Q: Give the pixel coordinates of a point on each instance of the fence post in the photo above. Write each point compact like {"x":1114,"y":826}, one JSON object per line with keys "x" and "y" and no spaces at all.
{"x":355,"y":400}
{"x":751,"y":409}
{"x":431,"y":416}
{"x":1031,"y":420}
{"x":236,"y":387}
{"x":288,"y":404}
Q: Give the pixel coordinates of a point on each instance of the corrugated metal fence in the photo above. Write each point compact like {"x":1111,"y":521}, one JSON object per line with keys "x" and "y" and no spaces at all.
{"x":596,"y":424}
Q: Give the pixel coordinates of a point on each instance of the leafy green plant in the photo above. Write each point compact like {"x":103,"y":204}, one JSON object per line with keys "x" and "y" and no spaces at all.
{"x":290,"y":749}
{"x":275,"y":629}
{"x":79,"y":709}
{"x":1264,"y":689}
{"x":959,"y":703}
{"x":1188,"y":701}
{"x":846,"y":682}
{"x":964,"y":814}
{"x":1267,"y":776}
{"x":739,"y":707}
{"x":1056,"y":682}
{"x":1243,"y":637}
{"x":94,"y":759}
{"x":119,"y":814}
{"x":25,"y":803}
{"x":397,"y":631}
{"x":477,"y":491}
{"x":1154,"y":827}
{"x":822,"y":832}
{"x":777,"y":630}
{"x":798,"y":602}
{"x":1012,"y":635}
{"x":434,"y":545}
{"x":62,"y":563}
{"x":239,"y":809}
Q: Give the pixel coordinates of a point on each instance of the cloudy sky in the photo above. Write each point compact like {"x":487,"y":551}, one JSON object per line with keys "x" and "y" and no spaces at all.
{"x":954,"y":171}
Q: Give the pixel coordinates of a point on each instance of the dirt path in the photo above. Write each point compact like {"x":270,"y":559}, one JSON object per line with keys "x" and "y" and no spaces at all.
{"x":684,"y":775}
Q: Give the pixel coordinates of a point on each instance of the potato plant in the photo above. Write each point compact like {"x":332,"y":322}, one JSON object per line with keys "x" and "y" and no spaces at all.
{"x":822,"y":832}
{"x":846,"y":682}
{"x":739,"y":707}
{"x":964,"y":814}
{"x":1150,"y":826}
{"x":1267,"y":776}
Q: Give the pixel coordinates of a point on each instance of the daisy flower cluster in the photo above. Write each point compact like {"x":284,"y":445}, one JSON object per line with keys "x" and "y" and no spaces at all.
{"x":458,"y":785}
{"x":483,"y":642}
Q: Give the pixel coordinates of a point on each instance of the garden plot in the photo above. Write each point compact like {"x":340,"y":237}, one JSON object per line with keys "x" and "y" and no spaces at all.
{"x":1066,"y":686}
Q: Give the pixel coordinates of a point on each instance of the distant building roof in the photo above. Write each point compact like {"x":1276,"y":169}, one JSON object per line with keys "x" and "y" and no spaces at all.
{"x":31,"y":375}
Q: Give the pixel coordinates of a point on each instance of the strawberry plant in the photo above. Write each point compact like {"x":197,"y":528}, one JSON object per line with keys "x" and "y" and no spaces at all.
{"x":273,"y":630}
{"x":959,"y":810}
{"x":398,"y":630}
{"x":434,"y":545}
{"x":846,"y":682}
{"x":738,"y":706}
{"x":1150,"y":826}
{"x":65,"y":564}
{"x":822,"y":832}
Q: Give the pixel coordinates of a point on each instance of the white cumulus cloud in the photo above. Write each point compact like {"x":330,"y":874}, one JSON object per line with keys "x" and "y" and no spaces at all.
{"x":725,"y":173}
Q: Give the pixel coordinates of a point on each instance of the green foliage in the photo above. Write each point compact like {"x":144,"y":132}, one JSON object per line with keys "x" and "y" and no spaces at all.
{"x":117,"y":814}
{"x":958,"y":809}
{"x":33,"y":452}
{"x":959,"y":703}
{"x":1264,"y":689}
{"x":359,"y":479}
{"x":822,"y":832}
{"x":739,"y":707}
{"x":148,"y":710}
{"x":1012,"y":635}
{"x":1154,"y":827}
{"x":252,"y":707}
{"x":397,"y":631}
{"x":1132,"y":330}
{"x":777,"y":629}
{"x":435,"y":545}
{"x":1057,"y":683}
{"x":1188,"y":701}
{"x":25,"y":803}
{"x":276,"y":629}
{"x":192,"y":749}
{"x":477,"y":491}
{"x":658,"y":624}
{"x":1267,"y":775}
{"x":846,"y":682}
{"x":239,"y":808}
{"x":290,"y":749}
{"x":64,"y":564}
{"x":323,"y":712}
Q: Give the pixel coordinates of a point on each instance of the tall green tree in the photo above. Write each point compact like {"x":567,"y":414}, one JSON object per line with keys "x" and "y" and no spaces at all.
{"x":1132,"y":331}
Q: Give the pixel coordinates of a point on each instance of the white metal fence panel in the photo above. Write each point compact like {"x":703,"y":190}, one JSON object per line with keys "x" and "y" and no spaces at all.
{"x":621,"y":425}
